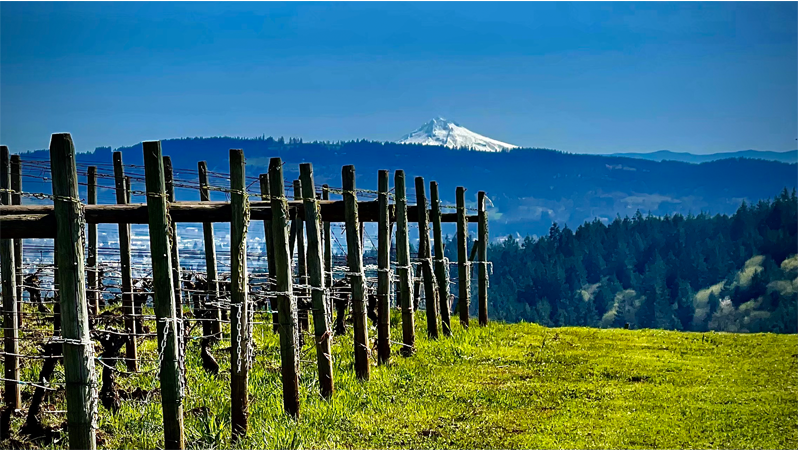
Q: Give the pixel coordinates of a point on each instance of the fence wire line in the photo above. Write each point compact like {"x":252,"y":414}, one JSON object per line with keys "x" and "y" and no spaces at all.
{"x":260,"y":287}
{"x":40,"y":168}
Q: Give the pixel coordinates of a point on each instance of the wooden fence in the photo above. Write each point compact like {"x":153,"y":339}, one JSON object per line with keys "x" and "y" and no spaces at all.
{"x":78,"y":289}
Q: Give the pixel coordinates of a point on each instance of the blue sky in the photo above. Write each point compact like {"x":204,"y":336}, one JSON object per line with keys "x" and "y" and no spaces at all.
{"x":578,"y":77}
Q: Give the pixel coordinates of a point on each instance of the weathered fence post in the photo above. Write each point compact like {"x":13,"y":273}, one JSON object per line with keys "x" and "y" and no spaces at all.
{"x":173,"y":245}
{"x":131,"y":321}
{"x":265,"y":193}
{"x":362,"y":236}
{"x":11,"y":395}
{"x":356,"y":281}
{"x":418,"y":288}
{"x":16,"y":199}
{"x":384,"y":271}
{"x":482,"y":254}
{"x":81,"y":381}
{"x":302,"y":268}
{"x":441,"y":266}
{"x":91,"y":260}
{"x":425,"y":258}
{"x":212,"y":324}
{"x":403,"y":267}
{"x":292,"y":238}
{"x":57,"y":293}
{"x":287,"y":312}
{"x":128,"y":188}
{"x":316,"y":280}
{"x":328,"y":272}
{"x":240,"y":321}
{"x":164,"y":298}
{"x":463,"y":269}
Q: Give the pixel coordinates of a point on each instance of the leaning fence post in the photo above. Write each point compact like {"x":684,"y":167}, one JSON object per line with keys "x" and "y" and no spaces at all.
{"x":292,"y":238}
{"x":91,"y":260}
{"x":441,"y":266}
{"x":131,"y":321}
{"x":164,"y":298}
{"x":301,"y":266}
{"x":81,"y":381}
{"x":316,"y":280}
{"x":240,"y":320}
{"x":362,"y":236}
{"x":212,"y":324}
{"x":16,"y":199}
{"x":287,"y":312}
{"x":463,"y":269}
{"x":176,"y":276}
{"x":128,"y":188}
{"x":425,"y":259}
{"x":56,"y":288}
{"x":356,"y":281}
{"x":328,"y":272}
{"x":403,"y":267}
{"x":384,"y":269}
{"x":482,"y":255}
{"x":265,"y":195}
{"x":11,"y":396}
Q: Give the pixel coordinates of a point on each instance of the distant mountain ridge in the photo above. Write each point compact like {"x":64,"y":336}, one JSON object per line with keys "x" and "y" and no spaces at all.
{"x":529,"y":188}
{"x":667,"y":155}
{"x":447,"y":133}
{"x":440,"y":131}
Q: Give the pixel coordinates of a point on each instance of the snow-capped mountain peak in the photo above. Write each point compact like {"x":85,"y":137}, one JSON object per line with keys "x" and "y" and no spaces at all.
{"x":440,"y":131}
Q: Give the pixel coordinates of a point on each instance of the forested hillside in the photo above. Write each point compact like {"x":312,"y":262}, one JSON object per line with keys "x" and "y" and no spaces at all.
{"x":528,"y":188}
{"x":699,"y":272}
{"x":665,"y":155}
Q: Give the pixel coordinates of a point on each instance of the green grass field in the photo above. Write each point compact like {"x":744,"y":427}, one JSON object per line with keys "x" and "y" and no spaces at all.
{"x":502,"y":386}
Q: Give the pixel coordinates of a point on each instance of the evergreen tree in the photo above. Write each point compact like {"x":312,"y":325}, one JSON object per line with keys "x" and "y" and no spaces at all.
{"x":689,"y":273}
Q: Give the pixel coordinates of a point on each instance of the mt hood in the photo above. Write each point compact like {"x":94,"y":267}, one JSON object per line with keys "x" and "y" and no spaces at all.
{"x":444,"y":132}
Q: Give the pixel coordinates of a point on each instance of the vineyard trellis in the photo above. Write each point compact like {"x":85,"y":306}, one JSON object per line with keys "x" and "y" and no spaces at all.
{"x":77,"y":289}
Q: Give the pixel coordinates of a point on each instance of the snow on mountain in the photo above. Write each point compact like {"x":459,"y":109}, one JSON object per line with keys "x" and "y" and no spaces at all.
{"x":440,"y":131}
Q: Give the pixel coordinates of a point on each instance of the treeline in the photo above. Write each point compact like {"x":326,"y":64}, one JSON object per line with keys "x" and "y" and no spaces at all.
{"x":734,"y":273}
{"x":528,"y":188}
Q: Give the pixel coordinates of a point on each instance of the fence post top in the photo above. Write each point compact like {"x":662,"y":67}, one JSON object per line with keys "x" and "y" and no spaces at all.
{"x":57,"y":138}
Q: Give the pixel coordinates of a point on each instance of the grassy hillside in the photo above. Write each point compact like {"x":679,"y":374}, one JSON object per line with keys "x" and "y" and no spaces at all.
{"x":504,"y":386}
